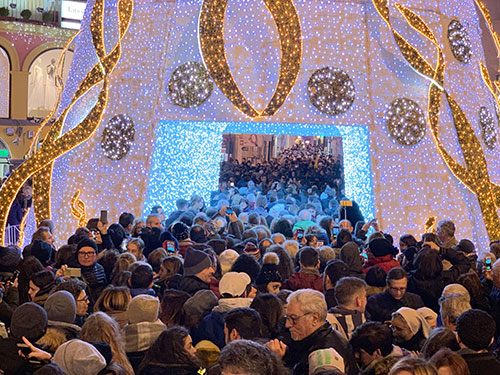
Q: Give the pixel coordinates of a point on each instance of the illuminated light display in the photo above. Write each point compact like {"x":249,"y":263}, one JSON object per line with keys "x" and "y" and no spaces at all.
{"x":459,"y":42}
{"x":190,"y":85}
{"x":52,"y":149}
{"x":79,"y":209}
{"x":117,"y":137}
{"x":488,"y":127}
{"x":408,"y":185}
{"x":211,"y":34}
{"x":406,"y":121}
{"x":187,"y":158}
{"x":331,"y":90}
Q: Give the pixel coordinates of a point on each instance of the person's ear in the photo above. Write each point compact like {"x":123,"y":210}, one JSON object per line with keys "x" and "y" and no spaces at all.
{"x":129,"y":284}
{"x":234,"y":335}
{"x":317,"y":264}
{"x":377,"y":353}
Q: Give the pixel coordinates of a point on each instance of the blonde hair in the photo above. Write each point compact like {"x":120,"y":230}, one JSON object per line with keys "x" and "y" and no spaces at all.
{"x":101,"y":327}
{"x":415,"y":366}
{"x":113,"y":298}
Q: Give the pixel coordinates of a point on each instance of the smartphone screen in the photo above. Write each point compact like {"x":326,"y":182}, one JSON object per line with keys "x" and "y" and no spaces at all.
{"x":170,"y":246}
{"x":229,"y":211}
{"x":488,"y":264}
{"x":104,"y":216}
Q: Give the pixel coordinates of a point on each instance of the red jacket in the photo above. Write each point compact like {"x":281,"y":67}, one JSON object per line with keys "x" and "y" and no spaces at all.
{"x":304,"y":280}
{"x":385,"y":262}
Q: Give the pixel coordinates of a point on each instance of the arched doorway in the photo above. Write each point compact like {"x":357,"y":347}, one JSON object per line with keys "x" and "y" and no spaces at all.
{"x":4,"y":83}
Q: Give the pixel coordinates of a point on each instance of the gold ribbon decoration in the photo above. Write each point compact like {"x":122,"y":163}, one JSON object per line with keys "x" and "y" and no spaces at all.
{"x":474,"y":175}
{"x":56,"y":146}
{"x":79,"y":209}
{"x":211,"y":35}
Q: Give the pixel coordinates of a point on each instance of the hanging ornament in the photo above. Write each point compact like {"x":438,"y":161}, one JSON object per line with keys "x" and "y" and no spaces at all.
{"x":488,"y":129}
{"x":405,"y":121}
{"x":459,"y":42}
{"x":190,"y":85}
{"x":331,"y":90}
{"x":117,"y":137}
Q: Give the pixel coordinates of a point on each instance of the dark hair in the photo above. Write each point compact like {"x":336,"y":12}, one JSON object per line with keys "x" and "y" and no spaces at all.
{"x":181,"y":204}
{"x":173,"y":265}
{"x":107,"y":260}
{"x":475,"y":329}
{"x":142,"y":276}
{"x":169,"y":349}
{"x":285,"y":265}
{"x":218,"y":245}
{"x":92,"y":223}
{"x":428,"y":264}
{"x":156,"y":257}
{"x":73,"y":286}
{"x":376,"y":276}
{"x":408,"y":240}
{"x":430,"y":237}
{"x":343,"y":237}
{"x":254,"y":219}
{"x":472,"y":283}
{"x":171,"y":307}
{"x":122,"y":278}
{"x":63,"y":254}
{"x":43,"y":279}
{"x":440,"y":337}
{"x":27,"y":267}
{"x":396,"y":273}
{"x":248,"y":264}
{"x":250,"y":357}
{"x":249,"y":233}
{"x":347,"y":287}
{"x":245,"y":320}
{"x":126,"y":219}
{"x":335,"y":270}
{"x":50,"y":369}
{"x":454,"y":361}
{"x":371,"y":336}
{"x":308,"y":256}
{"x":270,"y":308}
{"x":326,"y":223}
{"x":282,"y":226}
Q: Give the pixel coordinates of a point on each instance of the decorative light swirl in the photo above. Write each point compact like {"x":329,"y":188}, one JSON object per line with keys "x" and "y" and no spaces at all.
{"x":406,"y":121}
{"x":211,"y":34}
{"x":117,"y":137}
{"x":459,"y":42}
{"x":488,"y":127}
{"x":52,"y":149}
{"x":190,"y":85}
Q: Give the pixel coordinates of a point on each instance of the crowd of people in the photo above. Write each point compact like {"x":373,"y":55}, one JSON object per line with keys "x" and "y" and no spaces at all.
{"x":303,"y":164}
{"x":279,"y":281}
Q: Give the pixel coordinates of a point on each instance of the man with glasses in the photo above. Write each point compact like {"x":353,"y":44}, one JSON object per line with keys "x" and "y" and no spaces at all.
{"x":310,"y":331}
{"x":382,"y":305}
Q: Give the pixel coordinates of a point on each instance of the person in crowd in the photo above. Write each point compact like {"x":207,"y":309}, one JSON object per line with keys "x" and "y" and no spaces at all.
{"x":40,"y":285}
{"x":227,"y":259}
{"x":242,"y":323}
{"x":271,"y":311}
{"x":413,"y":366}
{"x":334,"y":271}
{"x":381,"y":306}
{"x":350,"y":293}
{"x":372,"y":345}
{"x":249,"y":357}
{"x":452,"y":305}
{"x":478,"y":297}
{"x":126,"y":221}
{"x":491,"y":281}
{"x":375,"y":280}
{"x":309,"y":331}
{"x":236,"y":291}
{"x":198,"y":272}
{"x":308,"y":277}
{"x":171,"y":269}
{"x":326,"y":361}
{"x":429,"y":315}
{"x":135,"y":246}
{"x":349,"y":254}
{"x":410,"y":329}
{"x":269,"y":279}
{"x":439,"y":338}
{"x":448,"y":362}
{"x":114,"y":301}
{"x":172,"y":353}
{"x":141,"y":280}
{"x":475,"y":330}
{"x":380,"y":253}
{"x":445,"y":231}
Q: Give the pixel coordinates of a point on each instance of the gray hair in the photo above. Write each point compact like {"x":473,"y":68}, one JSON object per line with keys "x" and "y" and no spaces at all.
{"x":447,"y":226}
{"x":457,"y":289}
{"x":305,"y":215}
{"x":291,"y":247}
{"x":311,"y":301}
{"x":452,"y":306}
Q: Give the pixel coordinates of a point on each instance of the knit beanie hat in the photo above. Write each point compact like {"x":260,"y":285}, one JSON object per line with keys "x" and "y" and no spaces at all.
{"x":9,"y":258}
{"x":325,"y":359}
{"x":180,"y":231}
{"x":268,"y":274}
{"x":466,"y":246}
{"x":252,"y":249}
{"x":195,"y":261}
{"x":234,"y":284}
{"x":29,"y":320}
{"x":200,"y":303}
{"x":78,"y":357}
{"x":380,"y":247}
{"x":197,"y":234}
{"x":226,"y":260}
{"x":42,"y":251}
{"x":86,"y":242}
{"x":61,"y":307}
{"x":217,"y":245}
{"x":143,"y":308}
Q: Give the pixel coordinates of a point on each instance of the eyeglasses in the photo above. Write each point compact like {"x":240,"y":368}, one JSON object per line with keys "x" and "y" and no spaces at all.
{"x":294,"y":319}
{"x":87,"y":254}
{"x":397,"y":289}
{"x":84,"y":299}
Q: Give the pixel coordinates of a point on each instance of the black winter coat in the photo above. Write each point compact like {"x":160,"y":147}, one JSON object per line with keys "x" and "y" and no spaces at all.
{"x":381,"y":306}
{"x":297,"y":352}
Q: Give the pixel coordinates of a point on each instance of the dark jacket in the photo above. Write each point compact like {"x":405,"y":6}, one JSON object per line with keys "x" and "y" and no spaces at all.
{"x":190,"y":284}
{"x":331,"y":301}
{"x":297,"y":352}
{"x":304,"y":280}
{"x":429,"y":290}
{"x":381,"y":306}
{"x":164,"y":369}
{"x":480,"y":363}
{"x":10,"y":361}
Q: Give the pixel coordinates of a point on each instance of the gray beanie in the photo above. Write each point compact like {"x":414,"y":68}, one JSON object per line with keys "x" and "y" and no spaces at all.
{"x":143,"y":308}
{"x":29,"y":320}
{"x":61,"y":307}
{"x":200,"y":303}
{"x":78,"y":357}
{"x":195,"y":261}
